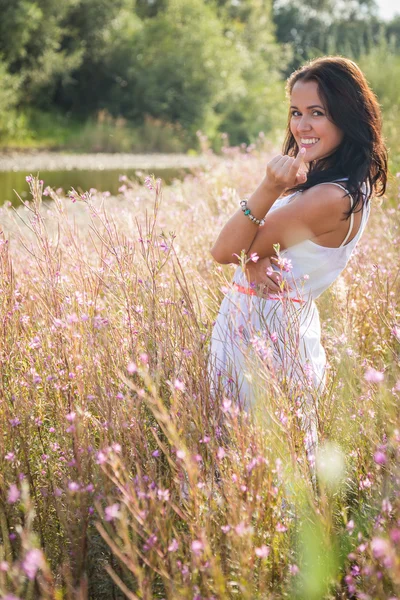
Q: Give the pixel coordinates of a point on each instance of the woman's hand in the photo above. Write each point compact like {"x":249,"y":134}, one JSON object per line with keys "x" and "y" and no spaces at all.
{"x":262,"y":275}
{"x":285,"y":172}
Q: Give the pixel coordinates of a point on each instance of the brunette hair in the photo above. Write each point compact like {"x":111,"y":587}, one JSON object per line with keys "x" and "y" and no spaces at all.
{"x":353,"y":107}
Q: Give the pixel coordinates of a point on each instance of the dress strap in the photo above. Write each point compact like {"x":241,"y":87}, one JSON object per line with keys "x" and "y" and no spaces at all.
{"x":352,"y":214}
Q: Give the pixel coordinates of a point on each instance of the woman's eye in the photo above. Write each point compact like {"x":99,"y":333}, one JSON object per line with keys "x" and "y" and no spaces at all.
{"x":314,"y":111}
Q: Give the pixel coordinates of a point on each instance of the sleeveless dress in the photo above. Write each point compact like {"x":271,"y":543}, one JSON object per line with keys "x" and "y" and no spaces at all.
{"x":255,"y":338}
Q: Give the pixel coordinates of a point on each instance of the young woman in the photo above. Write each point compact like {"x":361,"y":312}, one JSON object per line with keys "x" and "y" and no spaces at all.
{"x":314,"y":201}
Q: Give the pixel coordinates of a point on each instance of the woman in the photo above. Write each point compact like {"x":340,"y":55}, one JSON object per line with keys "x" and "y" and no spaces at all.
{"x":298,"y":230}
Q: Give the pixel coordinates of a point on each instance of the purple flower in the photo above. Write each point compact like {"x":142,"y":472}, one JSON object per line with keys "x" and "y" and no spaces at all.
{"x":112,"y":512}
{"x":380,"y":547}
{"x":373,"y":376}
{"x":150,"y":543}
{"x":173,"y":547}
{"x":32,"y":562}
{"x":197,"y":547}
{"x":179,"y":385}
{"x":13,"y":494}
{"x":380,"y":457}
{"x":263,"y":551}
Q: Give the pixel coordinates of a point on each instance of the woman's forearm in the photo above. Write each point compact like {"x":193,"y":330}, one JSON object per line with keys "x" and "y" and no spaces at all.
{"x":239,"y":232}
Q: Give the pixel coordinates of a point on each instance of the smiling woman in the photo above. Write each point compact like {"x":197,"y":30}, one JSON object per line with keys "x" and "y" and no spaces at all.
{"x":268,"y":330}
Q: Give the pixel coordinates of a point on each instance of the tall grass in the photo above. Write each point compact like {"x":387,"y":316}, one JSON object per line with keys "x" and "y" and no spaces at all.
{"x":122,"y":476}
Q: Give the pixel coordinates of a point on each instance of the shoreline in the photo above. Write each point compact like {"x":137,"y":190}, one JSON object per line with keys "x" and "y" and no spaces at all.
{"x":17,"y":161}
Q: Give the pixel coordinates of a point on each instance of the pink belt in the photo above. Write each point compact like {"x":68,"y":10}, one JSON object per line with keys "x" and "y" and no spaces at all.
{"x":251,"y":292}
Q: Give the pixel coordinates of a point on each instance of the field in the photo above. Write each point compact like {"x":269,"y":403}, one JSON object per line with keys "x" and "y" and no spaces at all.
{"x":121,"y":475}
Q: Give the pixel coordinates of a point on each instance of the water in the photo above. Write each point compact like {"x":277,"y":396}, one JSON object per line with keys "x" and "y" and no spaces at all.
{"x":81,"y":180}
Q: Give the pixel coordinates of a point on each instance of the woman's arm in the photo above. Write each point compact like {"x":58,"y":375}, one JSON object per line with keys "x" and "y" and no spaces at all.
{"x":239,"y":232}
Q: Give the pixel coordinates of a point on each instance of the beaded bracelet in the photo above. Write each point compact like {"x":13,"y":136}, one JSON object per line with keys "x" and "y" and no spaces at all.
{"x":247,"y":212}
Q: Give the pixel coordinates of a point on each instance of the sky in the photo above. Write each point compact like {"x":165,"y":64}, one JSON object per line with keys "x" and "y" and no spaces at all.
{"x":388,"y":8}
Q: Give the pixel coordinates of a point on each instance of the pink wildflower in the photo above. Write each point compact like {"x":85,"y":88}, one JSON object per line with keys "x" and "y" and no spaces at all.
{"x":254,"y":257}
{"x":373,"y":376}
{"x":13,"y":494}
{"x":380,"y":457}
{"x":263,"y":551}
{"x":197,"y":547}
{"x":112,"y":512}
{"x":173,"y":547}
{"x":33,"y":561}
{"x":179,"y":385}
{"x":220,"y":453}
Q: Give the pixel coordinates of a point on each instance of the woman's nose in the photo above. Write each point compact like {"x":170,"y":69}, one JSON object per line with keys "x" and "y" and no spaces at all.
{"x":303,"y":124}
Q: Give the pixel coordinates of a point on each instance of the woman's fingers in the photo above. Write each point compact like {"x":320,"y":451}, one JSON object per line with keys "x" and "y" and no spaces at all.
{"x":286,"y":170}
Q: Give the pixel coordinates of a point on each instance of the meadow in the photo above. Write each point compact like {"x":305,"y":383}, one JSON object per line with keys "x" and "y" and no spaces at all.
{"x":121,"y":475}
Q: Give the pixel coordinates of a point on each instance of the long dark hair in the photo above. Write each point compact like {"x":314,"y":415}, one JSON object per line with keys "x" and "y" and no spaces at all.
{"x":353,"y":107}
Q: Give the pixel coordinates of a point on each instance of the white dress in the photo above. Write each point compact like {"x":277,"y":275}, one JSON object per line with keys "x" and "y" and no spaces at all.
{"x":257,"y":342}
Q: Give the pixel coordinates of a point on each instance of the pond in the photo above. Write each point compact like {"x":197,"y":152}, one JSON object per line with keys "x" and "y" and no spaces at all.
{"x":82,"y":172}
{"x":107,"y":180}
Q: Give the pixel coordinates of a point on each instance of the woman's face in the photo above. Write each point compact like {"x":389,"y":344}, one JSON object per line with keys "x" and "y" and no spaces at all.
{"x":309,"y":122}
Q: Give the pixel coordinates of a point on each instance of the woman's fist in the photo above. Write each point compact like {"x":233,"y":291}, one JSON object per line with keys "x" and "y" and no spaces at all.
{"x":285,"y":172}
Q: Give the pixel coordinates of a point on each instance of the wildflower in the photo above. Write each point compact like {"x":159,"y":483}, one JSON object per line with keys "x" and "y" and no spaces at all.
{"x":164,"y":246}
{"x":226,"y":404}
{"x":380,"y":457}
{"x":112,"y":512}
{"x":281,"y":528}
{"x":225,"y":528}
{"x":395,"y":535}
{"x":32,"y":562}
{"x":156,"y":453}
{"x":180,"y":454}
{"x":350,"y":526}
{"x":73,"y":486}
{"x":179,"y":385}
{"x":197,"y":547}
{"x":220,"y":453}
{"x":10,"y":456}
{"x":173,"y":547}
{"x":241,"y":529}
{"x":29,"y":179}
{"x":274,"y":337}
{"x":71,"y":416}
{"x":373,"y":376}
{"x":131,"y":368}
{"x":163,"y":495}
{"x":14,"y":422}
{"x":254,"y":257}
{"x":285,"y":264}
{"x":150,"y":543}
{"x":380,"y":547}
{"x":13,"y":494}
{"x":148,"y":183}
{"x":144,"y":358}
{"x":263,"y":551}
{"x":293,"y":569}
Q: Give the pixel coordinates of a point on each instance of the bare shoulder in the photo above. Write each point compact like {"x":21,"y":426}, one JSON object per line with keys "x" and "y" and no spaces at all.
{"x":324,"y":198}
